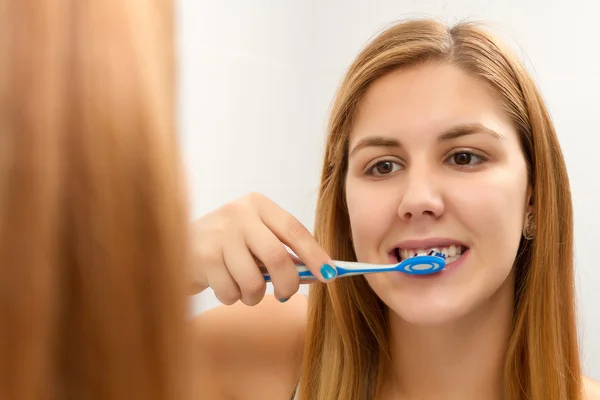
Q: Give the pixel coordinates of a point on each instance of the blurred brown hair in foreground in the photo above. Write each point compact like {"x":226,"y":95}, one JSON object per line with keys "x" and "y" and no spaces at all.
{"x":93,"y":225}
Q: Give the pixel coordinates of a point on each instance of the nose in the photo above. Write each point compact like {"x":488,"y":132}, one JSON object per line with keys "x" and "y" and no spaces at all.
{"x":421,"y":198}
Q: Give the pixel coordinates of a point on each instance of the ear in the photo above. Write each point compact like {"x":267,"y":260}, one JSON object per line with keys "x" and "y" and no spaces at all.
{"x":529,"y":198}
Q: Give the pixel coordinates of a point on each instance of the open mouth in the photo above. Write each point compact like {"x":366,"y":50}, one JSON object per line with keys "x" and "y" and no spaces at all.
{"x":449,"y":253}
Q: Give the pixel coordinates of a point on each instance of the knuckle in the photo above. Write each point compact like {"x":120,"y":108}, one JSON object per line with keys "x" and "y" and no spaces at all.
{"x":233,"y":212}
{"x":209,"y":230}
{"x":233,"y":209}
{"x":276,"y":256}
{"x":228,"y":297}
{"x":254,"y":197}
{"x":286,"y":284}
{"x":205,"y":253}
{"x":254,"y":286}
{"x":296,"y":230}
{"x":252,"y":300}
{"x":290,"y":288}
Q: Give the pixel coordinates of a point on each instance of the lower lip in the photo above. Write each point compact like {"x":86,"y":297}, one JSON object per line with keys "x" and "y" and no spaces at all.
{"x":447,"y":268}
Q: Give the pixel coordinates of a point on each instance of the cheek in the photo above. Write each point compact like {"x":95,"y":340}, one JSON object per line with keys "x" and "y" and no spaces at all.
{"x":372,"y":211}
{"x":493,"y":209}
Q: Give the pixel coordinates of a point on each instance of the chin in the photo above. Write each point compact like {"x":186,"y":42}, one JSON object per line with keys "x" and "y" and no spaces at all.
{"x":427,"y":302}
{"x":444,"y":305}
{"x":428,"y":314}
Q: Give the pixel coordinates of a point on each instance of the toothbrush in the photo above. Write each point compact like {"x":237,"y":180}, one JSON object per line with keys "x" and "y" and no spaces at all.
{"x":417,"y":265}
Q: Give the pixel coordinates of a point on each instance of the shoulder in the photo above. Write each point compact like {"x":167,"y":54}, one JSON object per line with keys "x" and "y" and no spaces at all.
{"x":259,"y":348}
{"x":591,"y":389}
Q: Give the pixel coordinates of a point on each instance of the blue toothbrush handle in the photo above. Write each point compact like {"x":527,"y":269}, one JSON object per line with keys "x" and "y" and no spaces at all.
{"x":344,"y":268}
{"x":303,"y":272}
{"x":418,"y":265}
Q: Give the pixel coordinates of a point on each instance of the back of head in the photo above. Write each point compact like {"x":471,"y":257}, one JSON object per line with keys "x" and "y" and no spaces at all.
{"x":347,"y":344}
{"x":92,"y":225}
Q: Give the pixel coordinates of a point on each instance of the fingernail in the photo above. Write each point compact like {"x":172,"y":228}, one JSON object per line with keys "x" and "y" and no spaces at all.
{"x":284,"y":299}
{"x":328,"y":272}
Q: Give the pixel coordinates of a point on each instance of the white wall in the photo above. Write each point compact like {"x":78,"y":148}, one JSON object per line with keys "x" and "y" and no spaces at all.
{"x":247,"y":120}
{"x":257,"y":78}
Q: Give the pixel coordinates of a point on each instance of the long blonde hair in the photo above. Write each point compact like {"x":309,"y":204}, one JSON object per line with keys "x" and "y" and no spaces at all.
{"x":93,"y":227}
{"x":347,"y":348}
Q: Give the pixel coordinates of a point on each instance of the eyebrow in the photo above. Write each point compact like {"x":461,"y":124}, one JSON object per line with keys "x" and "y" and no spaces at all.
{"x":451,"y":134}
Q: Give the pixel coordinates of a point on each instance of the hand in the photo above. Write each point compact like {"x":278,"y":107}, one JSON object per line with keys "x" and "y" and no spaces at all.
{"x":231,"y":243}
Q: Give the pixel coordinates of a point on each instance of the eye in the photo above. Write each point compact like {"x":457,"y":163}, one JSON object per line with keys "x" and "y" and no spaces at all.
{"x":465,"y":159}
{"x":384,"y":167}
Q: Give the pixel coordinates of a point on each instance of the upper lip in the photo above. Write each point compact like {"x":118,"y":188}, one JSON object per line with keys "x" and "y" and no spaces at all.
{"x":427,"y":243}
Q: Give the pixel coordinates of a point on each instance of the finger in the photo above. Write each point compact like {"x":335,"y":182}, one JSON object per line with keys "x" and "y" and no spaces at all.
{"x":303,"y":281}
{"x":244,"y":271}
{"x":267,"y":248}
{"x":296,"y":261}
{"x":294,"y":258}
{"x":294,"y":234}
{"x":222,"y":283}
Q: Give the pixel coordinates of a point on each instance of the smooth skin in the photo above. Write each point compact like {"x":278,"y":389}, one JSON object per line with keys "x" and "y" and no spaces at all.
{"x":233,"y":240}
{"x":253,"y":348}
{"x":452,"y":170}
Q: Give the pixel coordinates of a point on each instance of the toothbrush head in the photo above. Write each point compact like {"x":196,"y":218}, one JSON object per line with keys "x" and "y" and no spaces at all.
{"x":424,"y":264}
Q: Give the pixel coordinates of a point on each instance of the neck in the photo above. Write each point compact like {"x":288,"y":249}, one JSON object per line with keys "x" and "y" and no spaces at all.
{"x":462,"y":360}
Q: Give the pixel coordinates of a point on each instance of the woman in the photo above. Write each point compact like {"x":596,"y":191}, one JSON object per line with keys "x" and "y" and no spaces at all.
{"x":438,"y":139}
{"x":93,"y":230}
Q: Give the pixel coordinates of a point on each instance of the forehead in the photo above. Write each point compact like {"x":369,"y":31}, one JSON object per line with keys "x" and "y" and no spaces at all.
{"x":422,"y":101}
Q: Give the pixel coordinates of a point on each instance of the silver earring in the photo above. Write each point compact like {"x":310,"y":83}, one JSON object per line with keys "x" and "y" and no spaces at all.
{"x":529,"y":227}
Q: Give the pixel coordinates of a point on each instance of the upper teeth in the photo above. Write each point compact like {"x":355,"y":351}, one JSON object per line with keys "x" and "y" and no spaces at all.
{"x":449,"y":251}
